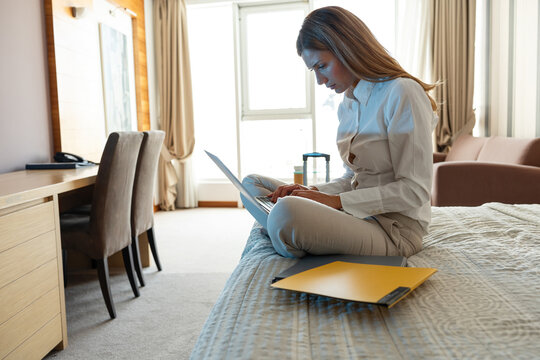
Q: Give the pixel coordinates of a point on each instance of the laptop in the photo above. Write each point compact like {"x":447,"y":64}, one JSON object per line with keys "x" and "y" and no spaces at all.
{"x":261,"y":202}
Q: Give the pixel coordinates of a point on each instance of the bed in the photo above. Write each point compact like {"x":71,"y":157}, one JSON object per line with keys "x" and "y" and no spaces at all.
{"x":482,"y":303}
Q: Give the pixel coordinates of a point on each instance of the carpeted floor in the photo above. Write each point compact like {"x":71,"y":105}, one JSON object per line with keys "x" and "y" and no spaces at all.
{"x":198,"y":248}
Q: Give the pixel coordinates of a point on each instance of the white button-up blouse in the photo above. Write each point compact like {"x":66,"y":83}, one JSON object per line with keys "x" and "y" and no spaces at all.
{"x":385,"y":141}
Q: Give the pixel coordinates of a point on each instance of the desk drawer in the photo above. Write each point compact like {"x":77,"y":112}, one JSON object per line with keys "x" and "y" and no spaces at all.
{"x":36,"y":346}
{"x":23,"y":325}
{"x":17,"y":295}
{"x":27,"y":256}
{"x":20,"y":226}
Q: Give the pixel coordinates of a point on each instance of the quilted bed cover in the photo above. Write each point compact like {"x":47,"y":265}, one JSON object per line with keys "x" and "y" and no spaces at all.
{"x":482,"y":303}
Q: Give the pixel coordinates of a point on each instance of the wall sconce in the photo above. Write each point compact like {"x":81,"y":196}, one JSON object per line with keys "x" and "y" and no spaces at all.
{"x":126,"y":10}
{"x":78,"y":11}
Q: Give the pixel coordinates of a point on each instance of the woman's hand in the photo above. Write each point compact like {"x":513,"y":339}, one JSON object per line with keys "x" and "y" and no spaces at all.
{"x":285,"y":190}
{"x":312,"y":193}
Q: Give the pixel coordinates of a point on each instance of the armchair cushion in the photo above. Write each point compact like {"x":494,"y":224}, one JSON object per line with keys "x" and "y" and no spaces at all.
{"x":473,"y":183}
{"x":466,"y":147}
{"x":511,"y":151}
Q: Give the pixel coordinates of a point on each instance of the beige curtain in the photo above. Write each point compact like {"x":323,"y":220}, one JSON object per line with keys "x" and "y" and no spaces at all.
{"x":453,"y":64}
{"x":175,"y":104}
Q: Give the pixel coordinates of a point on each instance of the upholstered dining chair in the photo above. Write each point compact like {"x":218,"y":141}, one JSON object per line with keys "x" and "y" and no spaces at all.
{"x":106,"y":230}
{"x":142,"y":205}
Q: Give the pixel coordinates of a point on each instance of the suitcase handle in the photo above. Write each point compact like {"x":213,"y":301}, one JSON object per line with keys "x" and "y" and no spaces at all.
{"x":316,"y":155}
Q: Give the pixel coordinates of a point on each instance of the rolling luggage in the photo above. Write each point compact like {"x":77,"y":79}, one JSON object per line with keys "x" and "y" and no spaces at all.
{"x":316,"y":155}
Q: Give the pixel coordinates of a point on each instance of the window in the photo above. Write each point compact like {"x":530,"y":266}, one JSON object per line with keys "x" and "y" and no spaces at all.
{"x":276,"y":122}
{"x":274,"y":79}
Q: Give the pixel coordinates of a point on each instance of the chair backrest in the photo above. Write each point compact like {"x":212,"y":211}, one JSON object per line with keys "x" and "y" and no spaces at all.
{"x":111,"y":203}
{"x":142,"y":209}
{"x":466,"y":148}
{"x":511,"y":151}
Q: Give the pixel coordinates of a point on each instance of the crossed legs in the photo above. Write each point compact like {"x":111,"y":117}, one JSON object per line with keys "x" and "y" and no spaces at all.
{"x":297,"y":226}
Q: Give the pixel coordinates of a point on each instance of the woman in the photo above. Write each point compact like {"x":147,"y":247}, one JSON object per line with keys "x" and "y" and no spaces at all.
{"x":381,"y":205}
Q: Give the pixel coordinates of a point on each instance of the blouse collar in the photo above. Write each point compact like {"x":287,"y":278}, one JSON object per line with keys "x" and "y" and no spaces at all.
{"x":362,"y":91}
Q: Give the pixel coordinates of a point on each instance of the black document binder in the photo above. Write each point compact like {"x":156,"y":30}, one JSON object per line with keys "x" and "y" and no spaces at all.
{"x":57,"y":165}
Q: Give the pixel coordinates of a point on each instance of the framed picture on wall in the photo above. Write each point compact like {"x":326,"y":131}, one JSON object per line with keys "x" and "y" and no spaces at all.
{"x":118,"y":80}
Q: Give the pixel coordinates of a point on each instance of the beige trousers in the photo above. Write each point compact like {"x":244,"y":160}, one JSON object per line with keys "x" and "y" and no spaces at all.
{"x":298,"y":226}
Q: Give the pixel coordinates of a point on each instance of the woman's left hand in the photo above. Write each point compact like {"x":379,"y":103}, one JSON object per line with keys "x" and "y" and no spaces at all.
{"x":334,"y":201}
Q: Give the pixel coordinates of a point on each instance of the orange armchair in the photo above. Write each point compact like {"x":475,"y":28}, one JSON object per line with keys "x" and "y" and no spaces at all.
{"x":478,"y":170}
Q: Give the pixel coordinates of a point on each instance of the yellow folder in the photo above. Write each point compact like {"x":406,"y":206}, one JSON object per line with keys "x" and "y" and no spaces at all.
{"x":376,"y":284}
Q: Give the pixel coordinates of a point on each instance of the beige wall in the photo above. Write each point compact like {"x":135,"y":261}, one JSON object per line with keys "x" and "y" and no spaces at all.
{"x":25,"y":125}
{"x":25,"y":120}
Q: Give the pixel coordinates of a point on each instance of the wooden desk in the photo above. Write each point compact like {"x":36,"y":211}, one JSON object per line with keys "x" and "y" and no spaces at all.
{"x":32,"y":304}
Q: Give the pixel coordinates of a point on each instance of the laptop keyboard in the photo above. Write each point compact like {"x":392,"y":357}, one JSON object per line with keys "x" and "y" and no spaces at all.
{"x":265,"y":202}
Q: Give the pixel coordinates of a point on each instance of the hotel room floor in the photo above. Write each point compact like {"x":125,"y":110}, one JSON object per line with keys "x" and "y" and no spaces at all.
{"x":165,"y":321}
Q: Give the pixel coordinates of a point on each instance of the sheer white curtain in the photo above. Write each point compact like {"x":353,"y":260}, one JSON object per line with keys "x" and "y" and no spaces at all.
{"x":508,"y":93}
{"x":414,"y":21}
{"x":414,"y":39}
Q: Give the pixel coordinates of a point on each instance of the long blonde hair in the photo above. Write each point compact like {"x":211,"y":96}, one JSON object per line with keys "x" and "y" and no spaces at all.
{"x":339,"y":31}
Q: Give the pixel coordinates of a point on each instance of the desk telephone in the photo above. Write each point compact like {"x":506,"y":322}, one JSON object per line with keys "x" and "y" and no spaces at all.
{"x":67,"y":157}
{"x":63,"y":157}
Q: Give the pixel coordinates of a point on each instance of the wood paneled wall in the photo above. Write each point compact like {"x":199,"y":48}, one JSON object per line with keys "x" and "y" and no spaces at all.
{"x":139,"y":48}
{"x":76,"y":92}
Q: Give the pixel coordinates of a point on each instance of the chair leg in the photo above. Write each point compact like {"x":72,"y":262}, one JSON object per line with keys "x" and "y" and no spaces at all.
{"x":137,"y":259}
{"x":64,"y":266}
{"x":152,"y":243}
{"x":103,"y":274}
{"x":128,"y":264}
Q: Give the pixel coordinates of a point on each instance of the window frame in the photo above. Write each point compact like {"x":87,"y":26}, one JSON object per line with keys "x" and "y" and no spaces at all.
{"x":245,"y":113}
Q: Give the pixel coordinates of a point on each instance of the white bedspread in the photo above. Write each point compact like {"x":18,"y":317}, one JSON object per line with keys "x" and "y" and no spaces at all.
{"x":482,"y":303}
